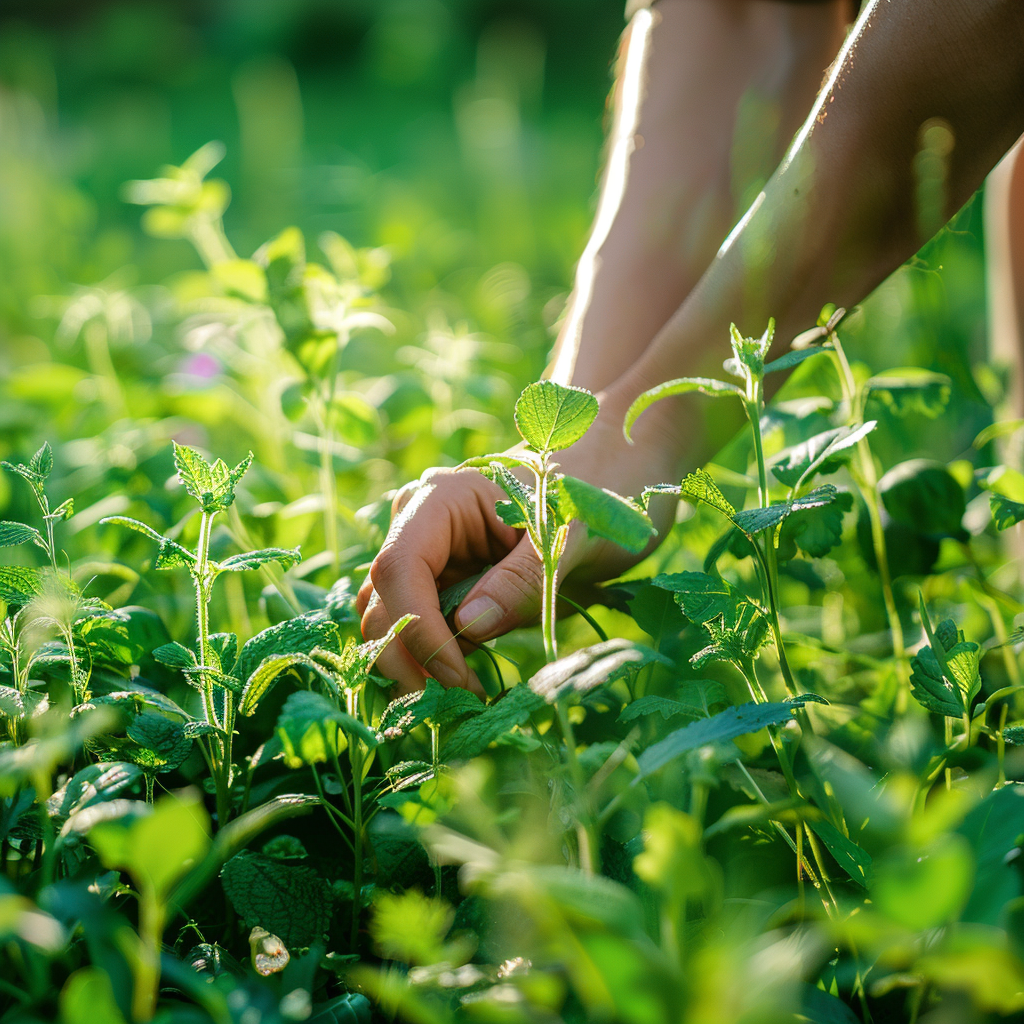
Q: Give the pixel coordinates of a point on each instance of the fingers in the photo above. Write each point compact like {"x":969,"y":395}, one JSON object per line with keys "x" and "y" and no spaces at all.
{"x":507,"y":597}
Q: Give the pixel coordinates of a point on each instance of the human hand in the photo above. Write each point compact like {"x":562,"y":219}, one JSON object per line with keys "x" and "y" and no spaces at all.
{"x":445,"y":529}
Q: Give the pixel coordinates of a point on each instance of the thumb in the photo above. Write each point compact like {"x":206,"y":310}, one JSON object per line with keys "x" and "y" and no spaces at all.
{"x":507,"y":597}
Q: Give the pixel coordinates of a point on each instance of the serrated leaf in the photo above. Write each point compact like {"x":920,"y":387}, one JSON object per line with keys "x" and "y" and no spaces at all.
{"x":41,"y":464}
{"x":285,"y":557}
{"x":93,"y":784}
{"x":511,"y":514}
{"x":695,"y":700}
{"x":453,"y":596}
{"x":552,"y":416}
{"x":351,"y":668}
{"x":597,"y":665}
{"x":700,"y":487}
{"x":193,"y":472}
{"x":946,"y":693}
{"x":265,"y":675}
{"x":289,"y":900}
{"x":681,"y":386}
{"x":925,"y":496}
{"x":672,"y":490}
{"x":853,"y":859}
{"x":911,"y":389}
{"x":1005,"y":513}
{"x":170,"y":554}
{"x":175,"y":655}
{"x":700,"y":595}
{"x":749,"y":353}
{"x":824,"y":453}
{"x":734,"y":641}
{"x":819,"y":529}
{"x":606,"y":514}
{"x":19,"y":584}
{"x":435,"y":704}
{"x":18,"y":705}
{"x":300,"y":634}
{"x":12,"y":534}
{"x":477,"y":734}
{"x":161,"y":737}
{"x":726,"y":725}
{"x":519,"y":496}
{"x":756,"y":520}
{"x":795,"y":357}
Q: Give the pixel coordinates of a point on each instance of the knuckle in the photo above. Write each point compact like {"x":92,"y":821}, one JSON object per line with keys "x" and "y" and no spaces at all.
{"x":383,"y":567}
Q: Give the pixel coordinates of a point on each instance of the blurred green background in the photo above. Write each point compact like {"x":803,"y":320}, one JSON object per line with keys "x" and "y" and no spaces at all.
{"x":458,"y":141}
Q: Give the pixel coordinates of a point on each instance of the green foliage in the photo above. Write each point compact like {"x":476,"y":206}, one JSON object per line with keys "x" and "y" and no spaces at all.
{"x":288,"y":900}
{"x":606,"y":514}
{"x":551,"y":416}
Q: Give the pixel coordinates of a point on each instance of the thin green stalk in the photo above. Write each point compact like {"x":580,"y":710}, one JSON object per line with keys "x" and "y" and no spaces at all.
{"x":585,"y":833}
{"x":152,"y":915}
{"x":355,"y":750}
{"x":869,"y":491}
{"x":948,"y":734}
{"x":1001,"y":747}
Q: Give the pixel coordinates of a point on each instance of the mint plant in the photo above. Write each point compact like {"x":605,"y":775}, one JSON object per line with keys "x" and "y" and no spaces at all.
{"x":209,"y":667}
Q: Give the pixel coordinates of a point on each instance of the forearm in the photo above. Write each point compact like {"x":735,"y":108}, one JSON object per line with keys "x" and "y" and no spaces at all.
{"x":708,"y":95}
{"x":925,"y":98}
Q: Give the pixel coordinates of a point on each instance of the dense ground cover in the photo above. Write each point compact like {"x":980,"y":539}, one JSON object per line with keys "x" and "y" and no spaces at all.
{"x":770,"y":776}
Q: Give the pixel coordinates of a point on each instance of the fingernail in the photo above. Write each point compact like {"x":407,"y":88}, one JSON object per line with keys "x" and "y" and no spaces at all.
{"x":478,"y":619}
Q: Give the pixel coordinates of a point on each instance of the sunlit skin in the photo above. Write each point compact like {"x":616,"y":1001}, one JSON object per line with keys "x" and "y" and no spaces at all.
{"x":838,"y":216}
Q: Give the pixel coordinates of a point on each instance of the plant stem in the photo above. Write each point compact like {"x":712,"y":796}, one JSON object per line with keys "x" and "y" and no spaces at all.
{"x":868,"y":485}
{"x":152,"y":914}
{"x":355,"y":752}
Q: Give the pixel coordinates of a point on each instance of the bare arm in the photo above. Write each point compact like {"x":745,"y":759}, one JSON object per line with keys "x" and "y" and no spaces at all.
{"x":925,"y":98}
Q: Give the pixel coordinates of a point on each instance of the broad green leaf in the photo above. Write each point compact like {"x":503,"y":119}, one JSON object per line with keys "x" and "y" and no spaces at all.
{"x":15,"y":704}
{"x":824,"y":453}
{"x":161,"y":743}
{"x":193,"y":472}
{"x":819,"y":529}
{"x":700,"y":487}
{"x":1001,"y":428}
{"x":736,"y":640}
{"x":411,"y":927}
{"x":1005,"y":513}
{"x":310,"y":727}
{"x":474,"y":736}
{"x":301,"y":634}
{"x":289,"y":900}
{"x":853,"y":859}
{"x":266,"y":674}
{"x":170,"y":552}
{"x":356,"y":421}
{"x":511,"y":515}
{"x":701,"y":596}
{"x":694,"y":700}
{"x":453,"y":596}
{"x":726,"y":725}
{"x":92,"y":784}
{"x":794,"y":357}
{"x":175,"y":655}
{"x":607,"y":514}
{"x":285,"y":557}
{"x":756,"y":520}
{"x":434,"y":704}
{"x":88,"y":998}
{"x":157,"y":848}
{"x":552,"y":416}
{"x":19,"y":584}
{"x":911,"y":389}
{"x":41,"y":464}
{"x":923,"y":887}
{"x":924,"y":496}
{"x":944,"y":675}
{"x":683,"y":385}
{"x":12,"y":534}
{"x":672,"y":860}
{"x":598,"y":665}
{"x":519,"y":496}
